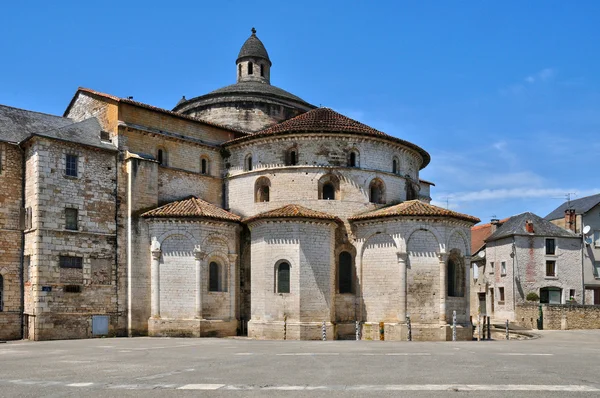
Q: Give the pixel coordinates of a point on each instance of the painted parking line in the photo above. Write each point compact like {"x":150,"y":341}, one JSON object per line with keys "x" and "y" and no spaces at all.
{"x":80,"y":384}
{"x":525,"y":354}
{"x":201,"y":387}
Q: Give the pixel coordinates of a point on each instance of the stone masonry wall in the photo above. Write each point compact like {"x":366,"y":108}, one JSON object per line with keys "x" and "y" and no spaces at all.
{"x":11,"y":163}
{"x":559,"y":317}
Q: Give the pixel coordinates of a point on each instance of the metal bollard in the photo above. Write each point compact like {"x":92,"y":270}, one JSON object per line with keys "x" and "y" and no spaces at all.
{"x":357,"y":330}
{"x":489,"y":330}
{"x":453,"y":325}
{"x":381,"y":331}
{"x":324,"y":331}
{"x":478,"y":327}
{"x":409,"y":328}
{"x":285,"y":327}
{"x":507,"y":335}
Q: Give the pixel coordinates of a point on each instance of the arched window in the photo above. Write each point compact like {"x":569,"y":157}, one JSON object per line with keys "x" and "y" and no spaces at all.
{"x":328,"y":191}
{"x":250,"y":68}
{"x":283,"y":278}
{"x":262,"y":70}
{"x":329,"y":187}
{"x":217,"y":279}
{"x":395,"y":166}
{"x":248,"y":163}
{"x":1,"y":293}
{"x":160,"y":157}
{"x":204,"y":166}
{"x":377,"y":191}
{"x":240,"y":70}
{"x":262,"y":188}
{"x":293,"y":159}
{"x":345,"y":273}
{"x":412,"y":190}
{"x":455,"y":275}
{"x":291,"y":156}
{"x":353,"y":159}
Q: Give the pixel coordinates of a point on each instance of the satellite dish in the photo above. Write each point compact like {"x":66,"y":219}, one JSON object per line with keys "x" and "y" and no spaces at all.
{"x":481,"y":254}
{"x":588,"y":240}
{"x":586,"y":230}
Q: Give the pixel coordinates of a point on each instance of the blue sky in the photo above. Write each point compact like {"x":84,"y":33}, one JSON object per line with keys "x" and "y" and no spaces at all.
{"x":505,"y":96}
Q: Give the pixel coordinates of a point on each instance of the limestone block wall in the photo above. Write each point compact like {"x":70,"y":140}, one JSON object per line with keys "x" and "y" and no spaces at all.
{"x":325,"y":150}
{"x":87,"y":105}
{"x":529,"y":266}
{"x":11,"y":163}
{"x":300,"y":185}
{"x":57,"y":313}
{"x":219,"y":242}
{"x":559,"y":317}
{"x":176,"y":184}
{"x":309,"y":249}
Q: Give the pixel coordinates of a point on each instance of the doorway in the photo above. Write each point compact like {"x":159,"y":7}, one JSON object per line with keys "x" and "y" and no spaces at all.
{"x":482,"y":304}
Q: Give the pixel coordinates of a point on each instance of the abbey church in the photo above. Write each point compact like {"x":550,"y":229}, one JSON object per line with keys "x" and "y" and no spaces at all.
{"x":244,"y":211}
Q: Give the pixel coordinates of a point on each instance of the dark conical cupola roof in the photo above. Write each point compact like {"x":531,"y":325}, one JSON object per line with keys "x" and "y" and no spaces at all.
{"x":253,"y":47}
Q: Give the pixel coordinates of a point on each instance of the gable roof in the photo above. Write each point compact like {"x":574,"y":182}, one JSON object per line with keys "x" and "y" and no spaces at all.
{"x":516,"y":226}
{"x":191,"y":207}
{"x":413,"y":208}
{"x":326,"y":120}
{"x":150,"y":107}
{"x":581,"y":206}
{"x":293,"y":211}
{"x":480,"y":232}
{"x":18,"y":124}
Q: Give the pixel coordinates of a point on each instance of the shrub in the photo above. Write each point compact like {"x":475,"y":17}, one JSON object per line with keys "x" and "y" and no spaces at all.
{"x":532,"y":296}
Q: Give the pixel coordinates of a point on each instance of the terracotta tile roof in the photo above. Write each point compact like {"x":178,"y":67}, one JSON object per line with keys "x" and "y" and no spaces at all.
{"x":151,"y":107}
{"x":479,"y":233}
{"x":191,"y":208}
{"x":413,"y":208}
{"x":293,"y":211}
{"x":325,"y":120}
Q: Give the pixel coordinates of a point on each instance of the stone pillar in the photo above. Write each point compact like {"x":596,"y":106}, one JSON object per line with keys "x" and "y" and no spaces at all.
{"x":402,"y":258}
{"x":232,"y":284}
{"x":199,"y":257}
{"x":155,"y":282}
{"x":443,"y":257}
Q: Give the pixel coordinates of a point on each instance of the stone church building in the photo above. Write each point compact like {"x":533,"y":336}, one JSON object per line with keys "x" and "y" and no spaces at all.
{"x":246,"y":210}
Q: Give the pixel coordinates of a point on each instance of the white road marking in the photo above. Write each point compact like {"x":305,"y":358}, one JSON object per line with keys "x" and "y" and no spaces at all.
{"x":524,"y":354}
{"x":161,"y":375}
{"x":80,"y":384}
{"x":410,"y":353}
{"x":308,"y":353}
{"x":244,"y":353}
{"x":201,"y":387}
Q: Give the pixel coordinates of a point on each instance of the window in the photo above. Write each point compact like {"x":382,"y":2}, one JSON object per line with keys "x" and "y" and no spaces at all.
{"x":71,"y":262}
{"x":160,"y":157}
{"x":411,"y":189}
{"x":1,"y":293}
{"x":475,"y":271}
{"x":250,"y":71}
{"x":291,"y":157}
{"x":71,"y":219}
{"x":377,"y":191}
{"x":596,"y":269}
{"x":597,"y":238}
{"x":395,"y":166}
{"x":345,"y":271}
{"x":240,"y":70}
{"x":71,"y":165}
{"x":550,"y":246}
{"x":329,"y":187}
{"x":216,"y":278}
{"x":248,"y":163}
{"x":28,"y":218}
{"x":503,"y":268}
{"x":455,"y":277}
{"x":328,"y":191}
{"x":352,"y":160}
{"x":550,"y":295}
{"x":283,"y":278}
{"x":72,"y":289}
{"x":262,"y":70}
{"x":551,"y":268}
{"x":262,"y":189}
{"x":27,"y":268}
{"x":204,"y":166}
{"x":501,"y":294}
{"x":572,"y":294}
{"x":104,"y":136}
{"x":492,"y":267}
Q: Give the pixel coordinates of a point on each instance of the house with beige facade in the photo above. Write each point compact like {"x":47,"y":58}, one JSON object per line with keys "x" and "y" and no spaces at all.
{"x":246,"y":210}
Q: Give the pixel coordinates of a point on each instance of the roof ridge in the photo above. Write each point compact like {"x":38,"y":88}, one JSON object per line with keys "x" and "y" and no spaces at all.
{"x":39,"y":113}
{"x":195,"y":201}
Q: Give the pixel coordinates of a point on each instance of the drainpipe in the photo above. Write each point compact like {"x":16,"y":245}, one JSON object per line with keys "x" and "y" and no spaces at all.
{"x":582,"y":265}
{"x":117,"y":236}
{"x":22,"y":254}
{"x":514,"y":255}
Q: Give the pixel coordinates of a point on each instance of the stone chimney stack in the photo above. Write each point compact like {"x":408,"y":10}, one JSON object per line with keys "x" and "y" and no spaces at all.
{"x":571,"y":220}
{"x":495,"y":223}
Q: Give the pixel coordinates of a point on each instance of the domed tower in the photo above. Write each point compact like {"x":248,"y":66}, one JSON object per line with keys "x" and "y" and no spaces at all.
{"x":253,"y":63}
{"x":252,"y":104}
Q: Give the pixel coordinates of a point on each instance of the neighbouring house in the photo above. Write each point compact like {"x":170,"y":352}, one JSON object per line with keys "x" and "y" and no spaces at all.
{"x":523,"y":254}
{"x":575,"y":215}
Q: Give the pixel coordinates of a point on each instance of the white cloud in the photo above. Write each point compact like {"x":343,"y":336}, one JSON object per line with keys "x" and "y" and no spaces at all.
{"x":541,"y":76}
{"x":517,"y":193}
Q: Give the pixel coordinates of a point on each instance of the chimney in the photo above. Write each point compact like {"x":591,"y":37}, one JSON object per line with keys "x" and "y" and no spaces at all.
{"x":495,"y":223}
{"x":529,"y":226}
{"x":571,"y":220}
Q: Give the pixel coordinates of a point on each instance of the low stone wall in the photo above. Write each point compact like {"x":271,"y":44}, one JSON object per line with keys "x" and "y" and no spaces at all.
{"x":559,"y":316}
{"x":10,"y":326}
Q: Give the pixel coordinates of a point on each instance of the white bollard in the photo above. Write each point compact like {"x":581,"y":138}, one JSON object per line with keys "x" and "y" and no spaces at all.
{"x":324,"y":330}
{"x":453,"y":325}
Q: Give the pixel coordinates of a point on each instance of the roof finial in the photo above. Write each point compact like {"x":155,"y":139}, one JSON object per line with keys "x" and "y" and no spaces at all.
{"x":253,"y":31}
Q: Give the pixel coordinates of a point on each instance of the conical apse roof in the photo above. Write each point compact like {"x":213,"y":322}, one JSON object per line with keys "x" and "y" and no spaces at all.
{"x":253,"y":47}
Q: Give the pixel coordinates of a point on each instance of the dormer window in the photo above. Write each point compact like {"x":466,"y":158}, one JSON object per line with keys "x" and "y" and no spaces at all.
{"x":250,"y":68}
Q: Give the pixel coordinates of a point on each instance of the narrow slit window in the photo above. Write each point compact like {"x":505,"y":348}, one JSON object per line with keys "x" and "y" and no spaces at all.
{"x":204,"y":166}
{"x":262,"y":70}
{"x":250,"y":68}
{"x":283,"y":278}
